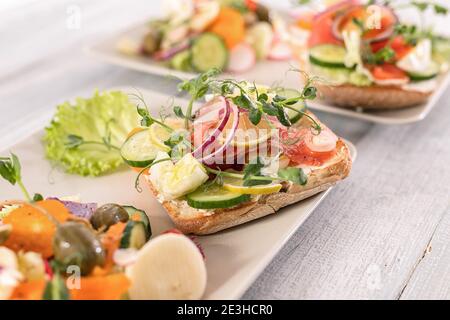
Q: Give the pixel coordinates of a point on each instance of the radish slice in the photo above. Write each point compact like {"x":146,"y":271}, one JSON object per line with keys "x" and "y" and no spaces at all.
{"x":169,"y":266}
{"x":280,"y":51}
{"x":323,"y":142}
{"x":211,"y":111}
{"x":242,"y":58}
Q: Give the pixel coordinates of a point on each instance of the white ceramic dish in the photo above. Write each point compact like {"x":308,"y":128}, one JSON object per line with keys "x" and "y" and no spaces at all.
{"x":266,"y":72}
{"x":234,"y":257}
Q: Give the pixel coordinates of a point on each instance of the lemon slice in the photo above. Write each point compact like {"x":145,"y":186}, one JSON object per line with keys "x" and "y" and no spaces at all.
{"x":158,"y":135}
{"x":248,"y":135}
{"x":235,"y":185}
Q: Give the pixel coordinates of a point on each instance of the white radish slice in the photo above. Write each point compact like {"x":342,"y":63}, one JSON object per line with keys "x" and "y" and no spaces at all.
{"x":280,"y":51}
{"x":168,"y":267}
{"x":242,"y":58}
{"x":323,"y":142}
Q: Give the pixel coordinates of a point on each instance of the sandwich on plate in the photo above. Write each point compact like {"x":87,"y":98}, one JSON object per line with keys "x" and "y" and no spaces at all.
{"x":197,"y":35}
{"x":368,"y":58}
{"x":244,"y":153}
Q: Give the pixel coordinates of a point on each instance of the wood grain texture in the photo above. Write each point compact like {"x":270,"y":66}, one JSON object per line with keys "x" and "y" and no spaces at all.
{"x":365,"y":240}
{"x":368,"y":238}
{"x":431,"y":278}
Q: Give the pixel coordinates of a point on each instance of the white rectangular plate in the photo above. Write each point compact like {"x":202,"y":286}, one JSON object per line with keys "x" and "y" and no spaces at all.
{"x":234,"y":257}
{"x":265,"y":72}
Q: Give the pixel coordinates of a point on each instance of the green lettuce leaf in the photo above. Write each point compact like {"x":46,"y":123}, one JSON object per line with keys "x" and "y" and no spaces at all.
{"x":91,"y":119}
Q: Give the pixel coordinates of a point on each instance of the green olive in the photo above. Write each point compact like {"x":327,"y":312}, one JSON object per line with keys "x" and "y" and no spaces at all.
{"x":107,"y":215}
{"x":76,"y":244}
{"x":263,"y":13}
{"x":151,"y":42}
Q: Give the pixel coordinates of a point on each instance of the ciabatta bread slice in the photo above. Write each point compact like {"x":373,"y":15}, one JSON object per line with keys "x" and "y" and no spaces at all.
{"x":373,"y":97}
{"x":200,"y":222}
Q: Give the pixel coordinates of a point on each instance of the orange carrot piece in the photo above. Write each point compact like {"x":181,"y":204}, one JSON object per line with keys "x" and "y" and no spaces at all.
{"x":110,"y":287}
{"x":111,"y":242}
{"x":230,"y":25}
{"x":32,"y":230}
{"x":29,"y":290}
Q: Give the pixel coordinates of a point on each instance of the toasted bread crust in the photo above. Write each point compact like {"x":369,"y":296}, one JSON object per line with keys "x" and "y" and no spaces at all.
{"x":318,"y":180}
{"x":373,"y":97}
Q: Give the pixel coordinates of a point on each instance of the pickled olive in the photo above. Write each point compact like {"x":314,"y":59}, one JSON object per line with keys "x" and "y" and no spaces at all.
{"x":107,"y":215}
{"x":263,"y":13}
{"x":75,"y":244}
{"x":152,"y":41}
{"x":5,"y":231}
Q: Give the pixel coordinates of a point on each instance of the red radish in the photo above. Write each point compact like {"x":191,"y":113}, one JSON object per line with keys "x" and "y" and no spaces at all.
{"x":242,"y":58}
{"x":280,"y":51}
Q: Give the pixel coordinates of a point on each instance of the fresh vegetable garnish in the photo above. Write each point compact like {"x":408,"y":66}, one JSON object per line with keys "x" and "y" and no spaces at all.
{"x":198,"y":35}
{"x":367,"y":44}
{"x":84,"y":137}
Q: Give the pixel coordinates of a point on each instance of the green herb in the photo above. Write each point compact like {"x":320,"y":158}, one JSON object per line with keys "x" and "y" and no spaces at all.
{"x":197,"y":88}
{"x":360,"y":24}
{"x":258,"y":108}
{"x":56,"y":289}
{"x":75,"y":141}
{"x":136,"y":182}
{"x":11,"y":171}
{"x":295,"y":175}
{"x":251,"y":170}
{"x":179,"y":144}
{"x":146,"y":119}
{"x":252,"y":175}
{"x":37,"y":197}
{"x":424,"y":5}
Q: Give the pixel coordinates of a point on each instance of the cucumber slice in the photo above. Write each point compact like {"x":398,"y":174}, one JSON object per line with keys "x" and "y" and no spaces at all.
{"x":139,"y":215}
{"x":134,"y":235}
{"x":335,"y":76}
{"x":300,"y":105}
{"x":430,"y":73}
{"x":215,"y":197}
{"x":182,"y":61}
{"x":208,"y":51}
{"x":138,"y":150}
{"x":328,"y":55}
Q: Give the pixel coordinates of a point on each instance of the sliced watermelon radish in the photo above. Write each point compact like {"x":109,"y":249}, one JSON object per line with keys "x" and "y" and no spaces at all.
{"x":280,"y":51}
{"x":242,"y":58}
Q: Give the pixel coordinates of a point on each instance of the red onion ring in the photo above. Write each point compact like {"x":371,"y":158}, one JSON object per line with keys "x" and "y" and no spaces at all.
{"x":381,"y":37}
{"x":197,"y":153}
{"x":231,"y":109}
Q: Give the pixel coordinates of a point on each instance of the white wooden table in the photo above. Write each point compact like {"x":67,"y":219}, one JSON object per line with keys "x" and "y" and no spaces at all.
{"x":382,"y":234}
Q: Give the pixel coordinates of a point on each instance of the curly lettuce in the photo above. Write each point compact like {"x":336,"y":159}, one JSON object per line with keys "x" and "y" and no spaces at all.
{"x":107,"y":115}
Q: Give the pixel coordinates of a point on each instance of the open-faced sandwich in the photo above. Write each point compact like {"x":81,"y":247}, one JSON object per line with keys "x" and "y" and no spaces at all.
{"x":369,"y":59}
{"x":60,"y":249}
{"x":244,"y":154}
{"x":198,"y":35}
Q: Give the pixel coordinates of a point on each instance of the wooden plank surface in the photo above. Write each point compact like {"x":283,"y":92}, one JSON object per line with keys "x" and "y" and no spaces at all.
{"x":367,"y":240}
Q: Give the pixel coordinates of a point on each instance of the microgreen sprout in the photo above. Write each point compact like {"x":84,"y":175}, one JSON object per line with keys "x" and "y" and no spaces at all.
{"x":11,"y":171}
